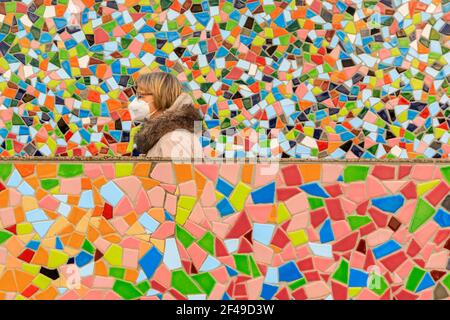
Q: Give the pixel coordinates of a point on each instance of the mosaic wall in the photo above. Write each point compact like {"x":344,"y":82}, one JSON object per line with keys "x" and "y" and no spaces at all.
{"x":337,"y":78}
{"x":130,"y":230}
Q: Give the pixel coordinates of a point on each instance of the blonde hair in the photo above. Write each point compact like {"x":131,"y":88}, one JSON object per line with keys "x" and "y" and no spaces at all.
{"x":165,"y":88}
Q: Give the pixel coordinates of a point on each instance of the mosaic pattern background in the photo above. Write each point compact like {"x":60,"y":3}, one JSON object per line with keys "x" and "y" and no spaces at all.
{"x":339,"y":79}
{"x":137,"y":230}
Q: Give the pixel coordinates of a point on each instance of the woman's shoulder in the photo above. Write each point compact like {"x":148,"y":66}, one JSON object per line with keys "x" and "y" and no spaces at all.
{"x":177,"y":133}
{"x":181,"y":142}
{"x":180,"y":136}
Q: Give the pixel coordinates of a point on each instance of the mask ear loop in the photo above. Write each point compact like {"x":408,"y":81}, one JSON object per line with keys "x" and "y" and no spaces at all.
{"x":150,"y":114}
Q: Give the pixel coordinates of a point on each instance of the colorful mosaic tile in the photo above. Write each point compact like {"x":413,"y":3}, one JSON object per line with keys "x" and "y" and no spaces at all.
{"x":141,"y":230}
{"x":337,"y":79}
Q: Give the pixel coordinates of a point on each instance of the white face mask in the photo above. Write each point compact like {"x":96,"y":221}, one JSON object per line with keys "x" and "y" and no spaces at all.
{"x":139,"y":110}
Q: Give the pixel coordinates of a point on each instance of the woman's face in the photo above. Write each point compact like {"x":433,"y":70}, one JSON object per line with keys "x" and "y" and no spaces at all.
{"x":147,"y":97}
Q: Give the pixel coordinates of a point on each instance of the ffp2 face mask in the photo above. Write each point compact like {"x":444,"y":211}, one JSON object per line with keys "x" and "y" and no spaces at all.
{"x":139,"y":110}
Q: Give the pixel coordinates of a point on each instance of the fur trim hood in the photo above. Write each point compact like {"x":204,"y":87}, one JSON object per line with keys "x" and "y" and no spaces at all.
{"x":181,"y":115}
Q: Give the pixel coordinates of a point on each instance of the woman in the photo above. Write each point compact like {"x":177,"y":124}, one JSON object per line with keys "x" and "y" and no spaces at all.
{"x":168,"y":117}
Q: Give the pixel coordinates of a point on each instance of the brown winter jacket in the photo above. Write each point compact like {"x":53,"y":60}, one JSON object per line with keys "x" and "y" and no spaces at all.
{"x":171,"y":134}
